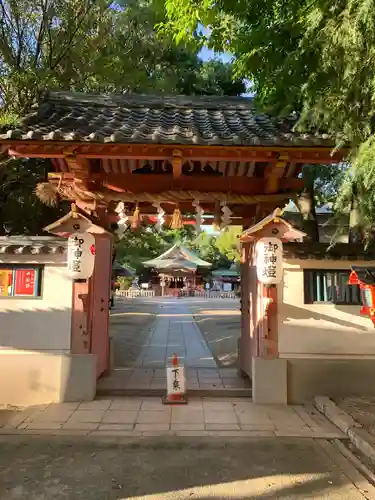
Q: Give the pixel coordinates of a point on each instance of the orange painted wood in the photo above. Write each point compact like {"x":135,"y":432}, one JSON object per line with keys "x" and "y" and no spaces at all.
{"x":98,"y":314}
{"x":80,"y":334}
{"x":54,"y":149}
{"x":153,"y":183}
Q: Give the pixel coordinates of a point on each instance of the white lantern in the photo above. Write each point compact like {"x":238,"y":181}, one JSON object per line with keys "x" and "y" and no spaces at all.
{"x":269,"y":260}
{"x":81,"y":255}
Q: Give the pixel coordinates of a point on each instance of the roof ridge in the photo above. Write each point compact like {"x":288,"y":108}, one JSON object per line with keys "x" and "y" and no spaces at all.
{"x":138,"y":100}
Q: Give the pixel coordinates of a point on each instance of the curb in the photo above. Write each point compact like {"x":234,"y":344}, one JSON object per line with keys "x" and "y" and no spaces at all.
{"x":360,"y":438}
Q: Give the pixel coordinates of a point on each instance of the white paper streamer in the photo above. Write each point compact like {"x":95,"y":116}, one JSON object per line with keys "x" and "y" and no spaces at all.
{"x":123,"y":222}
{"x":198,"y":215}
{"x":160,"y":217}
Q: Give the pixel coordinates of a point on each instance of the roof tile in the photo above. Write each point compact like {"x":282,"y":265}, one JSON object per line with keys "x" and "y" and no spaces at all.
{"x":127,"y":119}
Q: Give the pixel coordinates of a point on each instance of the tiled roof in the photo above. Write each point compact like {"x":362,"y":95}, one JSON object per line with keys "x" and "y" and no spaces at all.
{"x":177,"y":257}
{"x":32,"y":245}
{"x":324,"y":251}
{"x":131,"y":119}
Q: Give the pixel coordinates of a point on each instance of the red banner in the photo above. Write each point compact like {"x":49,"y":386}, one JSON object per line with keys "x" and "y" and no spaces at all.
{"x":25,"y":282}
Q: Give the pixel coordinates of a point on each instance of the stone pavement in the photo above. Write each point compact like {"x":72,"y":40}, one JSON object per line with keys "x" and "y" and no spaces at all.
{"x":175,"y":331}
{"x":132,"y":417}
{"x":154,"y":379}
{"x":151,"y":346}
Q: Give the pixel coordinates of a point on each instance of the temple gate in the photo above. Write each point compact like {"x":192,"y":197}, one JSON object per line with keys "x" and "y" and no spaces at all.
{"x":130,"y":160}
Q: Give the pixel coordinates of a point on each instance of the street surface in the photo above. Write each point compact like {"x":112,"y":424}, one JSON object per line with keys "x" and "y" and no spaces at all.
{"x":47,"y":468}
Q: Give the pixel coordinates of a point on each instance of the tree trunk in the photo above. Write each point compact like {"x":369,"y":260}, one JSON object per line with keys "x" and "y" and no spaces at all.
{"x":355,"y":226}
{"x":306,"y":205}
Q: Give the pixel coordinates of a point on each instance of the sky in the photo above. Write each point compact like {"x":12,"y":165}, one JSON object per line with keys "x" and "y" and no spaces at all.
{"x":207,"y":54}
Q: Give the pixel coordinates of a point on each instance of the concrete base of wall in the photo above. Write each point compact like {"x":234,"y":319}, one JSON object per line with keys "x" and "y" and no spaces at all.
{"x":30,"y":378}
{"x":78,"y":378}
{"x":331,"y":377}
{"x":269,"y":381}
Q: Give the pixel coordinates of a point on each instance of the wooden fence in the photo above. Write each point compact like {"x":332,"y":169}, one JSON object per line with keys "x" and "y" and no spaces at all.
{"x":178,"y":293}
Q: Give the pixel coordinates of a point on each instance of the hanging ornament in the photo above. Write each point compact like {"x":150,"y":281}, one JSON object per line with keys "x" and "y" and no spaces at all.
{"x":217,"y":219}
{"x":123,"y":221}
{"x":136,"y":218}
{"x":177,"y":222}
{"x":198,"y":215}
{"x":226,"y":217}
{"x":160,"y":217}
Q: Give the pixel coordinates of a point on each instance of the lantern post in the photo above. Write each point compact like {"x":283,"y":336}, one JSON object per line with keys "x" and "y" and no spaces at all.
{"x":261,"y":282}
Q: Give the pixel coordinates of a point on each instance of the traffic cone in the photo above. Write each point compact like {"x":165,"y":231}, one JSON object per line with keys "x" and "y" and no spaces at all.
{"x":175,"y":383}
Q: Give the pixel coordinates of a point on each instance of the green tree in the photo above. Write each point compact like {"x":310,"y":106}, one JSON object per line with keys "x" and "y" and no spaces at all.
{"x":85,"y":45}
{"x":314,"y":60}
{"x":228,"y":243}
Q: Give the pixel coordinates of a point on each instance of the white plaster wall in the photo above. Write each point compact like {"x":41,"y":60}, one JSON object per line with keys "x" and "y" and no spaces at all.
{"x":320,"y":330}
{"x":40,"y":324}
{"x":29,"y":377}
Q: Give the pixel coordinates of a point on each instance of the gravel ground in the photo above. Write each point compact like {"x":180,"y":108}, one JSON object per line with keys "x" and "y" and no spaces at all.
{"x":218,"y":319}
{"x":362,"y":409}
{"x":130,"y":324}
{"x":220,"y":323}
{"x":41,"y":469}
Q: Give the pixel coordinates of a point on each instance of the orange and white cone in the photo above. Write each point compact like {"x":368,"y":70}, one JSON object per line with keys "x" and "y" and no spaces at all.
{"x":176,"y":393}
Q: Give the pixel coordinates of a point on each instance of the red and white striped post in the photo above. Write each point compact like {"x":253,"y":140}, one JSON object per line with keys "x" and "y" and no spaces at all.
{"x":176,"y":393}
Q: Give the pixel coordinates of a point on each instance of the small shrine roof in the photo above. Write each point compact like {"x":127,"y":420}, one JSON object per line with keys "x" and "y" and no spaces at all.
{"x":143,"y":119}
{"x":290,"y":233}
{"x":232,"y":271}
{"x":121,"y":270}
{"x":177,"y":257}
{"x":26,"y":245}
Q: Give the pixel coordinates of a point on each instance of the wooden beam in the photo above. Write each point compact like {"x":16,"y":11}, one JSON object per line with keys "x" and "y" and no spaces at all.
{"x":157,"y":183}
{"x":177,"y":163}
{"x":54,"y":149}
{"x":273,"y":174}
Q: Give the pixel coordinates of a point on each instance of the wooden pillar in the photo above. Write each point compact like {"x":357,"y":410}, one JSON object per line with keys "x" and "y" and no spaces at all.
{"x":80,"y":334}
{"x":259,"y":302}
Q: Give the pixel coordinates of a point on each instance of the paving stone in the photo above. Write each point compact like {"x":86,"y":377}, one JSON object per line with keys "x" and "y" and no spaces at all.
{"x":286,"y":416}
{"x":63,"y":406}
{"x":185,"y":415}
{"x":187,"y":427}
{"x":158,"y":433}
{"x":222,"y":427}
{"x":217,"y":406}
{"x":220,"y":417}
{"x":208,"y":387}
{"x":155,"y":384}
{"x":154,"y":404}
{"x":154,"y":417}
{"x":257,"y":427}
{"x":152,"y":427}
{"x":126,"y":404}
{"x":92,"y":416}
{"x":81,"y":426}
{"x":291,"y":432}
{"x":115,"y":434}
{"x":194,"y":404}
{"x":241,"y":433}
{"x":98,"y":404}
{"x":192,"y":433}
{"x":116,"y":427}
{"x":54,"y":415}
{"x":120,"y":417}
{"x":43,"y":425}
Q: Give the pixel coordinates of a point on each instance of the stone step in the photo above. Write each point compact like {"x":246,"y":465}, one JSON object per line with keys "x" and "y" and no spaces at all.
{"x":145,"y":392}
